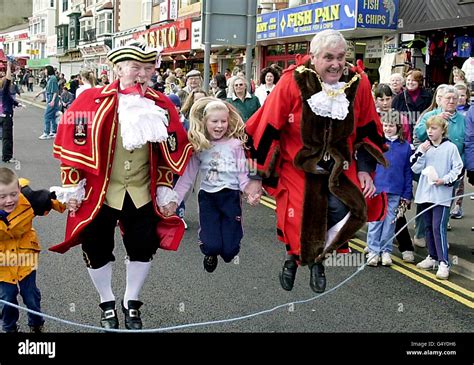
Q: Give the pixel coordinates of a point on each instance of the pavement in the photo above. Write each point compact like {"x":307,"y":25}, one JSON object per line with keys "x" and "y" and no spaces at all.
{"x":461,"y":237}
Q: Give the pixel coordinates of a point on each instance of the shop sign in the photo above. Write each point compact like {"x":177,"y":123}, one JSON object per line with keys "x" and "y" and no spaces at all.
{"x":196,"y":28}
{"x":374,"y":48}
{"x":377,"y":14}
{"x":94,"y":50}
{"x":172,"y":37}
{"x":307,"y":19}
{"x":173,"y":9}
{"x":38,"y":63}
{"x":350,"y":54}
{"x":389,"y":44}
{"x":21,"y":36}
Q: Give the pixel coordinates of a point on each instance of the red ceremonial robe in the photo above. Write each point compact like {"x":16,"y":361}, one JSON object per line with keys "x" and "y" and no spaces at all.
{"x":85,"y":145}
{"x":287,"y":140}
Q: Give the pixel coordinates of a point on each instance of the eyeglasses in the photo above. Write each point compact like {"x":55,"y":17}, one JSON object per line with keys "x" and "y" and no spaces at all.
{"x":238,"y":84}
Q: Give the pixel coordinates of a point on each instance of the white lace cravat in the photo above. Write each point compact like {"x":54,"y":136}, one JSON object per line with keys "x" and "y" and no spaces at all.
{"x":141,"y":120}
{"x":335,"y":107}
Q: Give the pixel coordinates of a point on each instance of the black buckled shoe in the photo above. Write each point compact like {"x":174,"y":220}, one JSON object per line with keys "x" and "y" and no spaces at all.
{"x":288,"y":274}
{"x":317,"y":278}
{"x":132,"y":315}
{"x":109,"y":319}
{"x":210,"y":263}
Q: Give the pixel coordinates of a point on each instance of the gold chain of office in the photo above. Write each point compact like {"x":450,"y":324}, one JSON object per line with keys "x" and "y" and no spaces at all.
{"x":330,"y":92}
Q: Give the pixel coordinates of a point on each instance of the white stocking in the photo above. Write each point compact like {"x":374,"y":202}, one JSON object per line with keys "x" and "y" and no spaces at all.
{"x":102,"y":279}
{"x":137,"y":272}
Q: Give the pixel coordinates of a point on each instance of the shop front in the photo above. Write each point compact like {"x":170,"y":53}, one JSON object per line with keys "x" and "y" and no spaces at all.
{"x":284,"y":34}
{"x":70,"y":63}
{"x":440,"y":42}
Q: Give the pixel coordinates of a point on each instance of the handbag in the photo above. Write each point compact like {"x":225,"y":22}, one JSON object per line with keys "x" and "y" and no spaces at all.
{"x":170,"y":232}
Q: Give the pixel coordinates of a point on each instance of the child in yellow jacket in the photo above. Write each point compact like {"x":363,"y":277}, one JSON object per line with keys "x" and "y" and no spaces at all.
{"x":19,"y":247}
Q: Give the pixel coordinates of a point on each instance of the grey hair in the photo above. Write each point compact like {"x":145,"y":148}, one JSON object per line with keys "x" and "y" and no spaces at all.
{"x":397,"y":76}
{"x":326,"y":38}
{"x":450,"y":89}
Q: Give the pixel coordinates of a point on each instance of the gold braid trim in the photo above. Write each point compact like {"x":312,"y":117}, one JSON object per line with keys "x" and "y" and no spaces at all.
{"x":331,"y":93}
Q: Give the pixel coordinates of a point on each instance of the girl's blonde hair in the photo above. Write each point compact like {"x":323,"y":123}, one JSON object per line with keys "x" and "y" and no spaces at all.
{"x":200,"y":110}
{"x":438,"y":121}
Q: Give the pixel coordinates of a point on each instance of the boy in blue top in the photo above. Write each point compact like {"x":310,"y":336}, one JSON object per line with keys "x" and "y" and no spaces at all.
{"x":440,"y":164}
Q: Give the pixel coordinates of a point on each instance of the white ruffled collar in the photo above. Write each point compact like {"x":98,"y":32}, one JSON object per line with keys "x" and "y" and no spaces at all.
{"x":141,"y":121}
{"x":335,"y":107}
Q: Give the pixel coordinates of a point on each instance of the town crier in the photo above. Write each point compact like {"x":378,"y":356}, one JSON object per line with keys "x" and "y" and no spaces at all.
{"x":119,"y":146}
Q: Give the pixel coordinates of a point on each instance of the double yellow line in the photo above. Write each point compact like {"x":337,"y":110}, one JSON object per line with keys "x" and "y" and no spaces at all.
{"x":426,"y":278}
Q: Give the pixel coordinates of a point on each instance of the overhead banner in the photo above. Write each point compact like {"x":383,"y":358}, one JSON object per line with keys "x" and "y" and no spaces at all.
{"x":307,"y":19}
{"x":329,"y":14}
{"x":377,"y":14}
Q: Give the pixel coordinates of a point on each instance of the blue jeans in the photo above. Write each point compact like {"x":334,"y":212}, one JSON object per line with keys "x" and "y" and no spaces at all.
{"x":380,"y":234}
{"x":50,"y":118}
{"x":31,"y":297}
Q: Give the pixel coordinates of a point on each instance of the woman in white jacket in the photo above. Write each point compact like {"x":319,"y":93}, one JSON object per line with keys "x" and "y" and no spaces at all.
{"x":268,"y":78}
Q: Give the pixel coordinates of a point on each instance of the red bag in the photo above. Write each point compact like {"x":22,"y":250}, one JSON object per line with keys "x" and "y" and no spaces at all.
{"x":170,"y":232}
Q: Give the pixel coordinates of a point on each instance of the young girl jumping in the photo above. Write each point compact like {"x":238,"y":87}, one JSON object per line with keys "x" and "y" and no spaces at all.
{"x":217,"y":135}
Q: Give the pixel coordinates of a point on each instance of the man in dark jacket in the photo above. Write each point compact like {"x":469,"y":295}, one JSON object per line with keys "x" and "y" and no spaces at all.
{"x":6,"y":116}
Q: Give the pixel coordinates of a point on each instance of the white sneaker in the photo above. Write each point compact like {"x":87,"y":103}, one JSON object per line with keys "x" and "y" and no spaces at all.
{"x":373,"y":259}
{"x":386,"y":259}
{"x":427,"y":264}
{"x":52,"y":135}
{"x":44,"y":136}
{"x":408,"y":256}
{"x":12,"y":160}
{"x":420,"y":242}
{"x":443,"y":271}
{"x":366,"y":249}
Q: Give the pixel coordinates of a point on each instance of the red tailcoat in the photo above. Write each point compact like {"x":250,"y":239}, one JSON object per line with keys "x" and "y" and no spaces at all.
{"x":288,"y":140}
{"x":85,"y":145}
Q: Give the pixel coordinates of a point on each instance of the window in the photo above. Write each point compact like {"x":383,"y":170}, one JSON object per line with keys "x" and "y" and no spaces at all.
{"x":85,"y":25}
{"x":51,"y":4}
{"x":65,"y":5}
{"x":60,"y":38}
{"x":19,"y":47}
{"x":146,"y":11}
{"x":297,"y":48}
{"x":275,"y":50}
{"x":43,"y":26}
{"x":104,"y":23}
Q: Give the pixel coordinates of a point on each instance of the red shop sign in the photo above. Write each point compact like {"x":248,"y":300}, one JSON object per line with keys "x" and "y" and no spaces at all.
{"x":173,"y":37}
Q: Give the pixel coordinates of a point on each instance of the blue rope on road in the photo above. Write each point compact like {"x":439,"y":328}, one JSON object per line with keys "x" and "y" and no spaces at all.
{"x":221,"y":321}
